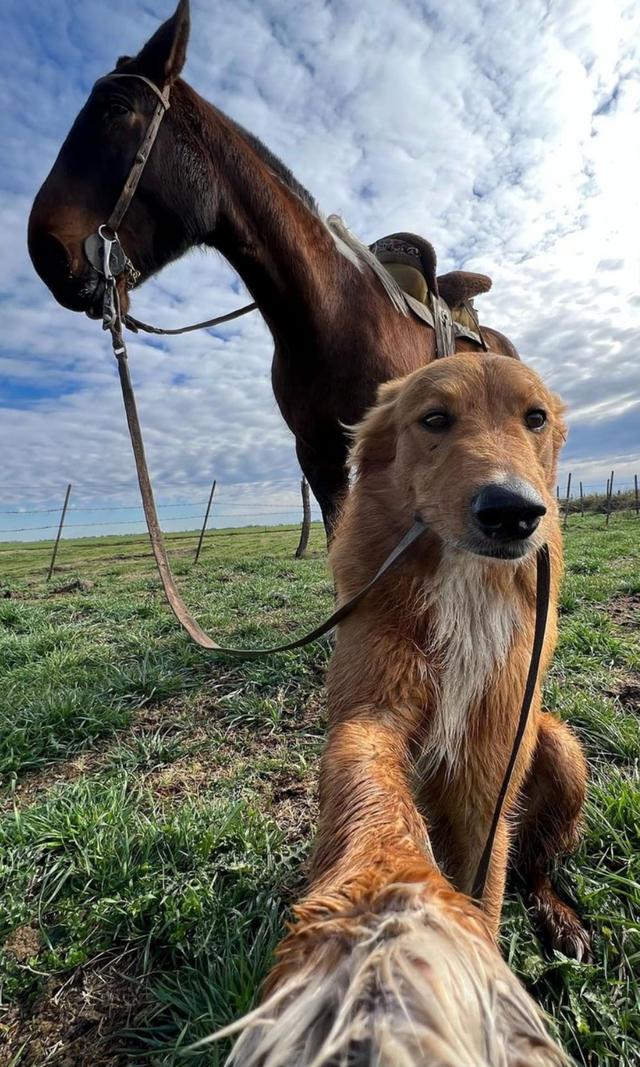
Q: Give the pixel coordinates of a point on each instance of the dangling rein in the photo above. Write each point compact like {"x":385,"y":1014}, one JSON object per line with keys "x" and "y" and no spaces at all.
{"x":106,"y":254}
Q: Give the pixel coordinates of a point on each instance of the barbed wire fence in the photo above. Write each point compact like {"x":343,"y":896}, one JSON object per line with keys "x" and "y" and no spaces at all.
{"x":578,"y":499}
{"x":589,"y":498}
{"x":270,"y":516}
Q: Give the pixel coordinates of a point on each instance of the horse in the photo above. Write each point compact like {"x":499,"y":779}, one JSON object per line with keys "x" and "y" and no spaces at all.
{"x":337,"y":333}
{"x":208,"y":182}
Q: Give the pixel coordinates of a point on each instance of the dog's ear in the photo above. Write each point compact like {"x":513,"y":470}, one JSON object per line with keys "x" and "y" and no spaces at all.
{"x":375,"y":438}
{"x":560,"y":431}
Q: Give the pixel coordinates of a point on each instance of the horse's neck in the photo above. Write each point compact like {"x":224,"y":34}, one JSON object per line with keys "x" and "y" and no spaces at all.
{"x":278,"y":244}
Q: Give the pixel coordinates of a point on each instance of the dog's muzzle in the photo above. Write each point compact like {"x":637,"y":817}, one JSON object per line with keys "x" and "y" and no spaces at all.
{"x":507,"y":511}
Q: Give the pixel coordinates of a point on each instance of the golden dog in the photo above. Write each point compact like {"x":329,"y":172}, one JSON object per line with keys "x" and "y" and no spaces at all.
{"x":389,"y":962}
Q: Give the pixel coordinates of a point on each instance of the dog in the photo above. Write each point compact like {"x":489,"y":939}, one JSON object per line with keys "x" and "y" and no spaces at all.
{"x":389,"y":961}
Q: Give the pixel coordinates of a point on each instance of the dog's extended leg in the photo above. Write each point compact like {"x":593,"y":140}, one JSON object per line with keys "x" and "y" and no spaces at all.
{"x":386,"y":962}
{"x":552,"y":801}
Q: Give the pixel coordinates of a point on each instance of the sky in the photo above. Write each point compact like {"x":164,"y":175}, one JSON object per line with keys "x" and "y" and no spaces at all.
{"x":508,"y":133}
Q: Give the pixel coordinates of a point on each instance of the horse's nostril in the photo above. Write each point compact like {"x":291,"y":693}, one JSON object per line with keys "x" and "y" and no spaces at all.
{"x":73,"y":286}
{"x":507,"y":513}
{"x":50,"y":258}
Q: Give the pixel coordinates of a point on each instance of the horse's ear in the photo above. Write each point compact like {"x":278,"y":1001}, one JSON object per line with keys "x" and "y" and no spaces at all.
{"x":375,"y":438}
{"x":164,"y":54}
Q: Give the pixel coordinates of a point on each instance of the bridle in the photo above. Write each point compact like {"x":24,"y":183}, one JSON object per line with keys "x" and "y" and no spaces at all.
{"x":106,"y":254}
{"x":103,"y":248}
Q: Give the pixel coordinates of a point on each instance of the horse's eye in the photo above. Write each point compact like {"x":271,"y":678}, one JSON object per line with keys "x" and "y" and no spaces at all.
{"x":536,"y":419}
{"x":436,"y":421}
{"x":115,"y":109}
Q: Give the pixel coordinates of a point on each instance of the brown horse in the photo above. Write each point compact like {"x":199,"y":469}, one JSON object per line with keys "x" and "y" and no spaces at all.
{"x":208,"y":182}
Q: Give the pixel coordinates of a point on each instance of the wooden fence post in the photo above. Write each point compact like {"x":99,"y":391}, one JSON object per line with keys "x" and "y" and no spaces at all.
{"x":204,"y":524}
{"x":581,"y":501}
{"x":566,"y":505}
{"x":635,"y":480}
{"x":558,"y":493}
{"x":306,"y":520}
{"x":55,"y":547}
{"x":609,"y":499}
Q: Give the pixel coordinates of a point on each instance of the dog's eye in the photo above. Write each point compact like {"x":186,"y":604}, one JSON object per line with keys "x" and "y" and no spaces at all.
{"x":436,"y":421}
{"x":536,"y":419}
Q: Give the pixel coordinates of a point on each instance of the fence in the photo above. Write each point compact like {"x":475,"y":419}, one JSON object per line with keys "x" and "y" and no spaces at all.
{"x":578,"y":498}
{"x":60,"y":520}
{"x":615,"y":498}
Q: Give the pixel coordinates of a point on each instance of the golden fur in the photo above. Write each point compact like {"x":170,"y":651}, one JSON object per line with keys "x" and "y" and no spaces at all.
{"x":389,"y":962}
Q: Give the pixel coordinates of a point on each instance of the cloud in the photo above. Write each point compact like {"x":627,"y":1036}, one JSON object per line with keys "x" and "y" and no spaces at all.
{"x":508,"y":134}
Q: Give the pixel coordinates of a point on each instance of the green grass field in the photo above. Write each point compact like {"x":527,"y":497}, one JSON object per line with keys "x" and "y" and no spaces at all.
{"x":158,"y":803}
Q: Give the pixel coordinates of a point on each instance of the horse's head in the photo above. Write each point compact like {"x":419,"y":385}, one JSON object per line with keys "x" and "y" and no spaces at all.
{"x":93,"y":164}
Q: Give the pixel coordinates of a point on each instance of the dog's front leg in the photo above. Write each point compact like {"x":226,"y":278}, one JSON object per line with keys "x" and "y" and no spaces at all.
{"x":386,"y":963}
{"x":367,"y":811}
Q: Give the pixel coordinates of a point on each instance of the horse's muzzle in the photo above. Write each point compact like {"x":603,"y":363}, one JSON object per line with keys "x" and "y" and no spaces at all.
{"x":76,"y":289}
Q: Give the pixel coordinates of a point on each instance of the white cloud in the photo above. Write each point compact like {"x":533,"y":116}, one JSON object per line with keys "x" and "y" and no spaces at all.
{"x":508,"y":134}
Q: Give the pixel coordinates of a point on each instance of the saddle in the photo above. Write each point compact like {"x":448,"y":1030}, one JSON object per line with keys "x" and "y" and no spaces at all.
{"x":445,"y":301}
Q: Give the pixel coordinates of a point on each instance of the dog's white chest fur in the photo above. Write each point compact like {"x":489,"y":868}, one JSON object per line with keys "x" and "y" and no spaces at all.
{"x":473,"y":629}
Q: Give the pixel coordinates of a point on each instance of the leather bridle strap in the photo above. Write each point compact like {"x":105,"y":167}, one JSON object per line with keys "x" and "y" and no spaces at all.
{"x":543,"y":589}
{"x":113,"y":321}
{"x":142,"y":155}
{"x":108,"y":233}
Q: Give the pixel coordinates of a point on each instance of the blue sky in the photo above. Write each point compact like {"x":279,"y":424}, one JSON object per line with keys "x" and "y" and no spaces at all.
{"x":508,"y":133}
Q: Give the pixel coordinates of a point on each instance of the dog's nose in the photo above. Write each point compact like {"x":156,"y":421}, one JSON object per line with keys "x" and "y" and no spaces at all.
{"x":507,"y":513}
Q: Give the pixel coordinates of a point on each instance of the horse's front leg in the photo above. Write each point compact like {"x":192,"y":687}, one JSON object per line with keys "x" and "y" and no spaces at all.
{"x":329,"y":482}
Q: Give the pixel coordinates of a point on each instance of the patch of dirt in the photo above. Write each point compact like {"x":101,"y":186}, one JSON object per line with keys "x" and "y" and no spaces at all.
{"x":625,"y":609}
{"x":295,"y":805}
{"x":28,"y":790}
{"x":188,"y":776}
{"x":73,"y":1024}
{"x":629,"y":695}
{"x":76,"y":585}
{"x":23,"y":944}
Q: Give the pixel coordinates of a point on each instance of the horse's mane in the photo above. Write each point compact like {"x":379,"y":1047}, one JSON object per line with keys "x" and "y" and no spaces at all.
{"x":346,"y":242}
{"x":278,"y":167}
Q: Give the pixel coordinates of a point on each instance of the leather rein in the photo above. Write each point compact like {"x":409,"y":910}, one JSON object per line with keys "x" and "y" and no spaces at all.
{"x":105,"y":253}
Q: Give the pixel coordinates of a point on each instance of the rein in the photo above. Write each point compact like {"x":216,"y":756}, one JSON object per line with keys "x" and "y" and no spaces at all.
{"x":106,"y":254}
{"x":543,"y":592}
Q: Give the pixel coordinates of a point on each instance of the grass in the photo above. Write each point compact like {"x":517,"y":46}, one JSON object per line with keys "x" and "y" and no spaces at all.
{"x":158,"y":803}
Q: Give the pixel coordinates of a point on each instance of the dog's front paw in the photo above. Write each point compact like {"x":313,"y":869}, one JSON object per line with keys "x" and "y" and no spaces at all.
{"x":561,"y":927}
